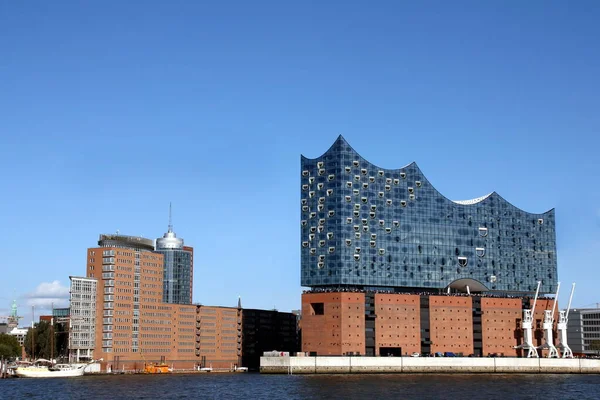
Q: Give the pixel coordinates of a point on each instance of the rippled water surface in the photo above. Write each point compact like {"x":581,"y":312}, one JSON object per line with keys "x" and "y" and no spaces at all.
{"x":256,"y":386}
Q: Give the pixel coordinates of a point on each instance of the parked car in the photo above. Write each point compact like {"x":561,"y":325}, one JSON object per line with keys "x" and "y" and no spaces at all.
{"x":449,"y":354}
{"x":415,"y":354}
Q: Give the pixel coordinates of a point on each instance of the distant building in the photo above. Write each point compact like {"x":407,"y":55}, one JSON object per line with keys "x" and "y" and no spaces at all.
{"x":82,"y":316}
{"x":61,"y":314}
{"x":20,"y":334}
{"x":267,"y":330}
{"x":13,"y":318}
{"x":178,"y":267}
{"x":583,"y":329}
{"x":3,"y":327}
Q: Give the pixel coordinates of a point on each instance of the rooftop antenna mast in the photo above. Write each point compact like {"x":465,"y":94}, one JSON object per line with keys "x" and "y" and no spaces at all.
{"x":563,"y":319}
{"x":170,"y":219}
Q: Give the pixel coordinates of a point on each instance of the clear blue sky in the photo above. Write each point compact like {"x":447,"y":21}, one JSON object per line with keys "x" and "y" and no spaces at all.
{"x":109,"y":110}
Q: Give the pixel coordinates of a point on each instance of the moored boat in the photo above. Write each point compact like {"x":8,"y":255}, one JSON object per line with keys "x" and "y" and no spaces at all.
{"x":161,"y":368}
{"x":45,"y":369}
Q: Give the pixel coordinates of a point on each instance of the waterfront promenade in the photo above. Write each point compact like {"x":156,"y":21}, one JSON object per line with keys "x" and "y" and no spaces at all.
{"x":365,"y":365}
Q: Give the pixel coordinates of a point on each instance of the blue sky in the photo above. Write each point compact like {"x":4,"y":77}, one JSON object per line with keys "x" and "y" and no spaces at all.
{"x":109,"y":111}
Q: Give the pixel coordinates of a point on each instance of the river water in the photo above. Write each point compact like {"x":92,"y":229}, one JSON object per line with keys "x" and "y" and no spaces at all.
{"x":330,"y":387}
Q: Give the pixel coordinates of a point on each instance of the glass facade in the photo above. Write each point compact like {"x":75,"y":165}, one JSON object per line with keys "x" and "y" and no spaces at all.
{"x":178,"y":268}
{"x":365,"y":226}
{"x":177,"y":276}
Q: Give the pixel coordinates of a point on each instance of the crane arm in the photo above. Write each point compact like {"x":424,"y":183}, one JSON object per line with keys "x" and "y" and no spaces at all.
{"x":555,"y":300}
{"x":537,"y":291}
{"x":570,"y":299}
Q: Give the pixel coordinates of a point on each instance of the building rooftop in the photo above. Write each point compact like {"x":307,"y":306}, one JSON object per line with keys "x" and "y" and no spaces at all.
{"x":135,"y":242}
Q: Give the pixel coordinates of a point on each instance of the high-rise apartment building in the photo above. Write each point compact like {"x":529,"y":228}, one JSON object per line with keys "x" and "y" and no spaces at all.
{"x":82,"y":315}
{"x":135,"y":326}
{"x":178,"y":267}
{"x":130,"y":285}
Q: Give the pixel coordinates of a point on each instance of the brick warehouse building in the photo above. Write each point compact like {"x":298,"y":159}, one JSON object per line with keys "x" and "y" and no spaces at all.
{"x":395,"y":268}
{"x":363,"y":323}
{"x":118,"y":314}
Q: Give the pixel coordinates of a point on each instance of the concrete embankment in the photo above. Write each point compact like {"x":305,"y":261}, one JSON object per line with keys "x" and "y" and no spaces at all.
{"x":366,"y":365}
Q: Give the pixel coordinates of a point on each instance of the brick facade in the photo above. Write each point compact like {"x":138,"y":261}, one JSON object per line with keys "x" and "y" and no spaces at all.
{"x":398,"y":323}
{"x":333,"y":323}
{"x":501,"y":326}
{"x":451,"y":324}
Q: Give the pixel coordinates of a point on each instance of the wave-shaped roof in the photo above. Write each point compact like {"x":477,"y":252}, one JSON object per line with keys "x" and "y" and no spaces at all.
{"x":473,"y":201}
{"x":341,"y":141}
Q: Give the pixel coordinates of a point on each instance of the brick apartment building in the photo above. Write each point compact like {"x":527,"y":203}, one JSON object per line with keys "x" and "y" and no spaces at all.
{"x":118,"y":314}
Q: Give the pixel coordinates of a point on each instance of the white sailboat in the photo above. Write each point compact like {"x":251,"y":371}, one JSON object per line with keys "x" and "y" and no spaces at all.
{"x":41,"y":369}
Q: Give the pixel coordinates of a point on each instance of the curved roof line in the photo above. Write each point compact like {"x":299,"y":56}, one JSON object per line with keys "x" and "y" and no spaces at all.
{"x":472,"y":201}
{"x":342,"y":139}
{"x":462,"y":283}
{"x":459,"y":202}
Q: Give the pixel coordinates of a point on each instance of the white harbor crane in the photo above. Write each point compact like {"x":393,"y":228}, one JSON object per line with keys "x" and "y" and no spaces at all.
{"x":563,"y":319}
{"x":527,"y":325}
{"x":548,"y":326}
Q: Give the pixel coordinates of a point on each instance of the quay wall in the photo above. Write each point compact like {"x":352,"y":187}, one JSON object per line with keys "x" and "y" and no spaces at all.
{"x":366,"y":365}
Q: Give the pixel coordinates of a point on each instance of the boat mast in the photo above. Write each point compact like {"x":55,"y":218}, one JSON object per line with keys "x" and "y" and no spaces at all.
{"x":32,"y":333}
{"x":52,"y":336}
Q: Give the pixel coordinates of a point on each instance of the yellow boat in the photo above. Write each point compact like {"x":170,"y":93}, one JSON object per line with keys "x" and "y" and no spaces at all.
{"x":156,"y":368}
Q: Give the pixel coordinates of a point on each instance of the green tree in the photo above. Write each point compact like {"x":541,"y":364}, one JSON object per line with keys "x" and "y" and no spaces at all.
{"x":41,"y":341}
{"x":43,"y":333}
{"x":61,"y":340}
{"x":595,"y":345}
{"x":9,"y":346}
